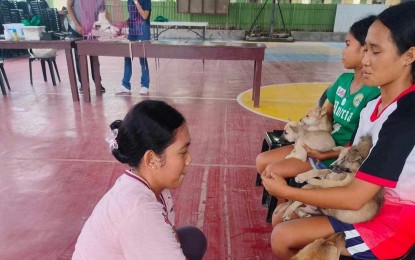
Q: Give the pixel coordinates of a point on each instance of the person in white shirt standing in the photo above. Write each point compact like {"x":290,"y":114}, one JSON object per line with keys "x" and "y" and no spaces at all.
{"x":82,"y":15}
{"x":135,"y":218}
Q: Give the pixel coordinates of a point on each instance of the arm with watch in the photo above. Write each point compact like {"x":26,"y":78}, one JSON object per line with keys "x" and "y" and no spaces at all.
{"x":144,"y":13}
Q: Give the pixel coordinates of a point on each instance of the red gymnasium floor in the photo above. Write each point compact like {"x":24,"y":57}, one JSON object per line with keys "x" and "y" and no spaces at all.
{"x":55,"y":164}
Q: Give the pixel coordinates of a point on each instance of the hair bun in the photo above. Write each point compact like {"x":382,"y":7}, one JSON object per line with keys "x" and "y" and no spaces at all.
{"x":116,"y":124}
{"x":120,"y":156}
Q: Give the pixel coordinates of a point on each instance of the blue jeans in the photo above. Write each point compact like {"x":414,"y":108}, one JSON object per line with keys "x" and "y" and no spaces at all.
{"x":145,"y":73}
{"x":317,"y":164}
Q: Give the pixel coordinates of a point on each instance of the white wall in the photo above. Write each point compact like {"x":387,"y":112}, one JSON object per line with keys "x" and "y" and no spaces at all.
{"x":57,"y":3}
{"x":347,"y":14}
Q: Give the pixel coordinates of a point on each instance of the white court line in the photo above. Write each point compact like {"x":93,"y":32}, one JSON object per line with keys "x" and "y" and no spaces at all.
{"x":64,"y":160}
{"x":225,"y":192}
{"x":197,"y":98}
{"x":226,"y":215}
{"x":239,"y":100}
{"x":16,"y":93}
{"x":115,"y":161}
{"x":224,"y":165}
{"x":202,"y":202}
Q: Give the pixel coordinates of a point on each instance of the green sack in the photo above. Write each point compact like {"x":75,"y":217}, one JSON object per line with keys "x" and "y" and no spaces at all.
{"x":161,"y":19}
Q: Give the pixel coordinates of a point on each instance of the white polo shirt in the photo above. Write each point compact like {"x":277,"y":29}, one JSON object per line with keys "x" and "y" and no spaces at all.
{"x":130,"y":223}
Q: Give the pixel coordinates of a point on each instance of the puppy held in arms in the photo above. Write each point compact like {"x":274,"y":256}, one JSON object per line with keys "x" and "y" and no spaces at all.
{"x":103,"y":27}
{"x":319,"y":140}
{"x":317,"y":118}
{"x":323,"y":248}
{"x":341,"y":173}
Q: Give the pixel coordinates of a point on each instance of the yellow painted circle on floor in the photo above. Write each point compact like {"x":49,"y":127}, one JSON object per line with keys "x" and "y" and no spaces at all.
{"x":284,"y":101}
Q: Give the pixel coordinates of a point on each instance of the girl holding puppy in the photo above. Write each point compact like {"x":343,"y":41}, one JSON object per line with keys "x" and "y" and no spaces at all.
{"x":347,"y":97}
{"x":135,"y":218}
{"x":389,"y":63}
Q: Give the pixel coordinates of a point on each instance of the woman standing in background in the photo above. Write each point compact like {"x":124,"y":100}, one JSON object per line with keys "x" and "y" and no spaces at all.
{"x":138,"y":30}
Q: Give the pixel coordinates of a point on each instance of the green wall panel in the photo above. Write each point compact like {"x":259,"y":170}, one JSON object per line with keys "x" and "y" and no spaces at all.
{"x":302,"y":17}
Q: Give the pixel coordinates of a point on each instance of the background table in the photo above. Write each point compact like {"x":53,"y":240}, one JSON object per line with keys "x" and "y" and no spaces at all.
{"x":173,"y":25}
{"x":171,"y":50}
{"x":66,"y":45}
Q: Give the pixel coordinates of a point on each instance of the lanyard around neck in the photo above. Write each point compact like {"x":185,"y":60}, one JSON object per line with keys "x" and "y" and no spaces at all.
{"x":138,"y":178}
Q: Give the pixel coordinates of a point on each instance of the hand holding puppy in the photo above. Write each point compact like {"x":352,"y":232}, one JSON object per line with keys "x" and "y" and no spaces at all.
{"x":274,"y":184}
{"x":313,"y":153}
{"x":319,"y":155}
{"x":269,"y":170}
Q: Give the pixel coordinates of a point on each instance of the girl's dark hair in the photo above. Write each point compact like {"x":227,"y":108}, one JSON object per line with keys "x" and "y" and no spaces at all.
{"x":359,"y":29}
{"x":400,"y":20}
{"x":149,"y":125}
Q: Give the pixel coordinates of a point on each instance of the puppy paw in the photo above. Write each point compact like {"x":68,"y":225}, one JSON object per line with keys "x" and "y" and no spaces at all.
{"x":301,"y":178}
{"x":299,"y":157}
{"x":314,"y":182}
{"x":286,"y":218}
{"x":288,"y":156}
{"x":303,"y":214}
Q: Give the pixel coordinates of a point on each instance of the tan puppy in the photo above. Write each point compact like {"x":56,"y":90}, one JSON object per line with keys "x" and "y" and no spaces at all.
{"x":323,"y":248}
{"x":317,"y":118}
{"x":347,"y":164}
{"x":318,"y":140}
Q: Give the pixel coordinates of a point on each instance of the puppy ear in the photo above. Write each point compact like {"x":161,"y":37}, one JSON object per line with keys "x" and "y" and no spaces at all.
{"x":292,"y":124}
{"x":358,"y":158}
{"x":294,"y":128}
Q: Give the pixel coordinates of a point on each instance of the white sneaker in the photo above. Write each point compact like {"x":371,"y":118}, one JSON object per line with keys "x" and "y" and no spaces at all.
{"x":124,"y":90}
{"x":81,"y":90}
{"x":144,"y":90}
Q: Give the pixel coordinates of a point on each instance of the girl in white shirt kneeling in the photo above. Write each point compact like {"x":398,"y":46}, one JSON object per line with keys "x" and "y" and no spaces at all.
{"x":135,"y":218}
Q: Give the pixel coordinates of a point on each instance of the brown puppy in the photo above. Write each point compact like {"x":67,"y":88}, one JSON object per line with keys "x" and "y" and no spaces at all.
{"x":317,"y":118}
{"x":323,"y":248}
{"x":347,"y":165}
{"x":349,"y":161}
